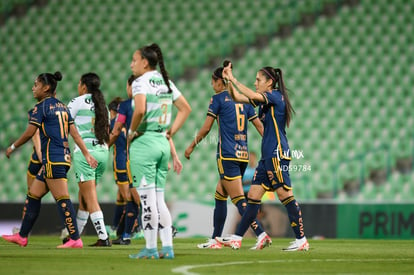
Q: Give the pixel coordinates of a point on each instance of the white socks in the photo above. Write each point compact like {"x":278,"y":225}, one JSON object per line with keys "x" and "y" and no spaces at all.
{"x":149,"y":216}
{"x":81,"y":219}
{"x":97,"y":219}
{"x":165,"y":221}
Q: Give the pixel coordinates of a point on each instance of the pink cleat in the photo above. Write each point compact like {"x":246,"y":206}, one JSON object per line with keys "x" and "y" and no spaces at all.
{"x":16,"y":238}
{"x":210,"y":244}
{"x":263,"y":240}
{"x":298,"y":245}
{"x":72,"y":244}
{"x":232,"y":241}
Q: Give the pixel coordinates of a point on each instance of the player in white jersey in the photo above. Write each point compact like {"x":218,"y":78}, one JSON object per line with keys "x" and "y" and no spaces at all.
{"x":92,"y":121}
{"x":150,"y":135}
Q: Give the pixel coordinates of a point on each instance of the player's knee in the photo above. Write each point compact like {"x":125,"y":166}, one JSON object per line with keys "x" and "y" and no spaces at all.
{"x":253,"y":201}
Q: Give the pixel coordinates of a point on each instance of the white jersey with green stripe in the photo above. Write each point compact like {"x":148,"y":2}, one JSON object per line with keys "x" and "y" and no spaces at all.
{"x":159,"y":102}
{"x":82,"y":110}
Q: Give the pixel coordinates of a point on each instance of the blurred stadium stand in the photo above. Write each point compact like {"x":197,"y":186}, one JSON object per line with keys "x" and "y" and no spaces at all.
{"x":348,"y":65}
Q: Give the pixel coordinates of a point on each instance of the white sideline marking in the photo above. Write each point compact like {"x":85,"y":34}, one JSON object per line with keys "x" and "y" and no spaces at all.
{"x":185,"y":269}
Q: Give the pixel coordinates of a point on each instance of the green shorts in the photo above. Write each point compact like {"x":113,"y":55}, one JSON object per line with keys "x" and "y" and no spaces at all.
{"x":148,"y":158}
{"x":83,"y":171}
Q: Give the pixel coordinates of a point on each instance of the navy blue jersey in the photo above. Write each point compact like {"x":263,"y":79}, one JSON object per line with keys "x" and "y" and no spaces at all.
{"x":53,"y":118}
{"x":272,"y":113}
{"x":125,"y":112}
{"x":120,"y":150}
{"x":232,"y":119}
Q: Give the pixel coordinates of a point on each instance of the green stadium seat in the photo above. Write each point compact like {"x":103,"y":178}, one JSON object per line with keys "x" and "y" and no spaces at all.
{"x":349,"y":62}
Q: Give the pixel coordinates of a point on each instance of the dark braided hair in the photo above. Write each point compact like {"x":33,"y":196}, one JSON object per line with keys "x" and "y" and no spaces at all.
{"x":276,"y":76}
{"x":154,"y":56}
{"x":51,"y":80}
{"x":93,"y":82}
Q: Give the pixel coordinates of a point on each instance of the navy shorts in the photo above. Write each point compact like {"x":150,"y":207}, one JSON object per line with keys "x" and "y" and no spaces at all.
{"x":121,"y":177}
{"x":230,"y":169}
{"x":33,"y":168}
{"x":272,"y":173}
{"x":53,"y":171}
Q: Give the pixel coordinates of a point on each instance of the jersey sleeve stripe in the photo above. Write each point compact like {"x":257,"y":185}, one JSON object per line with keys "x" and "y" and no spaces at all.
{"x":252,"y":117}
{"x":253,"y":103}
{"x":211,"y":114}
{"x":265,"y":98}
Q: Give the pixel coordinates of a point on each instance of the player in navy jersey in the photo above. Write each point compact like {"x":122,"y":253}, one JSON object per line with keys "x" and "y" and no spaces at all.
{"x":117,"y":156}
{"x":35,"y":162}
{"x":125,"y":193}
{"x":232,"y":156}
{"x":53,"y":119}
{"x":272,"y":172}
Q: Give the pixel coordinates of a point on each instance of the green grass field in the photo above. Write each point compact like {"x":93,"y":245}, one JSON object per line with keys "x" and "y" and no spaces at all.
{"x":330,"y":256}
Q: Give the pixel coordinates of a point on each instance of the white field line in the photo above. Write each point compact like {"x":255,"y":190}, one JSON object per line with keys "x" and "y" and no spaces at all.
{"x":185,"y":269}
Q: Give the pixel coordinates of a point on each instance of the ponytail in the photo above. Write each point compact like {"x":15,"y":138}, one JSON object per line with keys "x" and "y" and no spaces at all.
{"x":154,"y":56}
{"x":93,"y":82}
{"x":279,"y":83}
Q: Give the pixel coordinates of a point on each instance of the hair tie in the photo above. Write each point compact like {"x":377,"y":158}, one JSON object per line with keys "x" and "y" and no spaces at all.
{"x":266,"y":72}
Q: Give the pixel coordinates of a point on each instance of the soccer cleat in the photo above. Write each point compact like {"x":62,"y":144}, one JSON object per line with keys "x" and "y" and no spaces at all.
{"x":263,"y":240}
{"x":298,"y":245}
{"x":138,"y":235}
{"x":166,"y":252}
{"x":65,"y":240}
{"x":72,"y":244}
{"x":16,"y":238}
{"x":211,"y":244}
{"x":122,"y":241}
{"x":100,"y":242}
{"x":232,"y":241}
{"x":111,"y":231}
{"x":146,"y":253}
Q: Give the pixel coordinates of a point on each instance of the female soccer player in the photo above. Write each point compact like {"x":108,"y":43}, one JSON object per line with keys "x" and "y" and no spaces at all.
{"x":92,"y":121}
{"x":232,"y":156}
{"x":117,"y":153}
{"x":35,"y":162}
{"x":272,"y":172}
{"x":118,"y":139}
{"x":54,"y":121}
{"x":149,"y":149}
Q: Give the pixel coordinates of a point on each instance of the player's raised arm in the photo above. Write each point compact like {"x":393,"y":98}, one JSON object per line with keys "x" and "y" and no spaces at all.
{"x":247,"y":93}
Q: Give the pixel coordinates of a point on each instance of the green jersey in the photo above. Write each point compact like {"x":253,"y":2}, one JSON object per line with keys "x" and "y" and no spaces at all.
{"x":158,"y":113}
